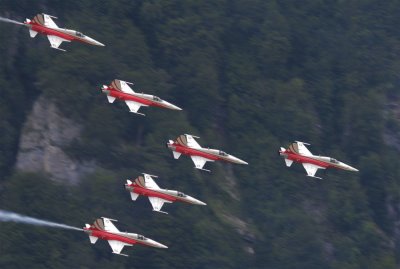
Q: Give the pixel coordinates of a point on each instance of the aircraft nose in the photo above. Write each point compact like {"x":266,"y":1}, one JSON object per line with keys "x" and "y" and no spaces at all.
{"x":349,"y":168}
{"x":195,"y":201}
{"x":97,"y":43}
{"x":94,"y":42}
{"x":239,"y":161}
{"x":353,"y":169}
{"x":156,"y":244}
{"x":171,"y":106}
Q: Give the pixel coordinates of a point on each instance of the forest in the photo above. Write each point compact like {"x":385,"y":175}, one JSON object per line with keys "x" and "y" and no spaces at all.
{"x":251,"y":76}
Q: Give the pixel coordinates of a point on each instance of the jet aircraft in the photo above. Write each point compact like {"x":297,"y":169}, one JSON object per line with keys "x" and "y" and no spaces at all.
{"x":145,"y":185}
{"x":298,"y":152}
{"x":103,"y":228}
{"x":120,"y":89}
{"x":187,"y":145}
{"x":44,"y":24}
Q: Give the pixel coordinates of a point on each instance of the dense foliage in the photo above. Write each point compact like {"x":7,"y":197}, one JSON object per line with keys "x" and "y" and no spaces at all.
{"x":251,"y":76}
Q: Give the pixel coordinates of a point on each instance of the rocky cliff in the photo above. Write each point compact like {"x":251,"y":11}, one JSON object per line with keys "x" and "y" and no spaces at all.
{"x":45,"y":133}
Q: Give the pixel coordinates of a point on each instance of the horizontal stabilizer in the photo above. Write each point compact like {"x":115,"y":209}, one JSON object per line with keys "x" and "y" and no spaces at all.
{"x":176,"y":154}
{"x":93,"y":239}
{"x":110,"y":99}
{"x":134,"y":196}
{"x":32,"y":33}
{"x":288,"y":162}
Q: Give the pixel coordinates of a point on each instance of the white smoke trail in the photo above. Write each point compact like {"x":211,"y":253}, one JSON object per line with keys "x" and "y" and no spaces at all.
{"x":12,"y":21}
{"x":6,"y":216}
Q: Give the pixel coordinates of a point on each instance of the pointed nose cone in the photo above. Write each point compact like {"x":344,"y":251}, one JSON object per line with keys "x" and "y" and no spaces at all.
{"x":155,"y":244}
{"x":237,"y":160}
{"x":171,"y":106}
{"x":194,"y":201}
{"x":349,"y":168}
{"x":352,"y":169}
{"x":94,"y":42}
{"x":97,"y":43}
{"x":243,"y":162}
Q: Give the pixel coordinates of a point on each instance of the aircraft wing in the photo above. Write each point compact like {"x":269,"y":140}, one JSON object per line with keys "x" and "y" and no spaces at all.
{"x":303,"y":150}
{"x":109,"y":226}
{"x":191,"y":142}
{"x":55,"y":41}
{"x":199,"y":162}
{"x":117,"y":246}
{"x":150,"y":183}
{"x":125,"y":87}
{"x":133,"y":106}
{"x":48,"y":21}
{"x":157,"y":203}
{"x":311,"y":169}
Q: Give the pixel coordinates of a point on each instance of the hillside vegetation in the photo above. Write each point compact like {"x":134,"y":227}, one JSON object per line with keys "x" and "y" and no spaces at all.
{"x":251,"y":76}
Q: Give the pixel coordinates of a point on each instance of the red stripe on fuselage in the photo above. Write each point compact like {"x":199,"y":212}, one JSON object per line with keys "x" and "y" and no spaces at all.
{"x":47,"y":31}
{"x":146,"y":192}
{"x":110,"y":236}
{"x":305,"y":159}
{"x":190,"y":151}
{"x":128,"y":97}
{"x":153,"y":193}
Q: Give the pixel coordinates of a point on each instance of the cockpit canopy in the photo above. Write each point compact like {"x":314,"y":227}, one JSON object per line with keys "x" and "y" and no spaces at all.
{"x":334,"y":160}
{"x":222,"y":153}
{"x":79,"y":34}
{"x":156,"y":98}
{"x":181,"y":194}
{"x":141,"y":237}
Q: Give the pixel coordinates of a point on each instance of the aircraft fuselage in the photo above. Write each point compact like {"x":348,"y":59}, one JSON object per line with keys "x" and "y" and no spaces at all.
{"x":64,"y":33}
{"x":322,"y":161}
{"x":123,"y":237}
{"x":145,"y":99}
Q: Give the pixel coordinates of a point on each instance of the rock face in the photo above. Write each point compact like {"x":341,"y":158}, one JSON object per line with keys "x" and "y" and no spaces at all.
{"x":43,"y":137}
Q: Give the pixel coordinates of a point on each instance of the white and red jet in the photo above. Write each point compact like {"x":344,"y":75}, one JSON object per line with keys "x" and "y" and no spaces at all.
{"x":43,"y":24}
{"x":146,"y":186}
{"x":103,"y":228}
{"x":120,"y":89}
{"x":187,"y":145}
{"x":297,"y":152}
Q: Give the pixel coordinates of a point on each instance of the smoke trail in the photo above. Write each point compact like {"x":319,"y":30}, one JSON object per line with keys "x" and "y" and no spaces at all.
{"x":6,"y":216}
{"x":12,"y":21}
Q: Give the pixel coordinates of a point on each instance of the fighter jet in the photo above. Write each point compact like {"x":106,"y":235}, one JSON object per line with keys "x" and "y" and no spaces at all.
{"x":119,"y":89}
{"x":187,"y":145}
{"x":148,"y":187}
{"x":43,"y":24}
{"x":103,"y":228}
{"x":297,"y":152}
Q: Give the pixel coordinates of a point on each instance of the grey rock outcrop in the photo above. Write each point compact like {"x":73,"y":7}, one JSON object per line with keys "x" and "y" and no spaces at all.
{"x":45,"y":133}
